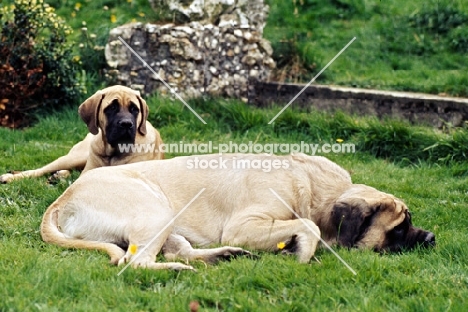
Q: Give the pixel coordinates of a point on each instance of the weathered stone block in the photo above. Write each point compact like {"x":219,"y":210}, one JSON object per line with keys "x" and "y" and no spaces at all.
{"x":194,"y":59}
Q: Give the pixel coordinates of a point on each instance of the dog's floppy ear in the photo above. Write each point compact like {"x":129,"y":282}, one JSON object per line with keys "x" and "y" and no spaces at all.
{"x":352,"y":217}
{"x":89,"y":111}
{"x":144,"y":114}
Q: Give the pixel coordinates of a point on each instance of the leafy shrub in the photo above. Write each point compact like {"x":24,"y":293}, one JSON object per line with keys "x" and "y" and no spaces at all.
{"x":91,"y":51}
{"x":36,"y":68}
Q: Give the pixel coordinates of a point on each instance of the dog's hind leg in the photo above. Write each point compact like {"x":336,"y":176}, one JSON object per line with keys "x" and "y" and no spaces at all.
{"x":298,"y":237}
{"x":147,"y":237}
{"x":177,"y":247}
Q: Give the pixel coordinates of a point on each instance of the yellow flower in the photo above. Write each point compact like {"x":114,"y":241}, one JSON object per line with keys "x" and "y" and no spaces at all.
{"x":77,"y":6}
{"x":339,"y":140}
{"x":113,"y":18}
{"x":133,"y":249}
{"x":281,"y":245}
{"x":141,"y":14}
{"x":76,"y":58}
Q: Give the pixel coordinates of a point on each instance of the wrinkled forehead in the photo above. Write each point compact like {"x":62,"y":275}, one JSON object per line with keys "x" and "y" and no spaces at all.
{"x":122,"y":97}
{"x":390,"y":208}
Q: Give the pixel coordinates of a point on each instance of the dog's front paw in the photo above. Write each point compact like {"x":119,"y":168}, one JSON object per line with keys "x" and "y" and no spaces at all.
{"x":6,"y":178}
{"x":58,"y":176}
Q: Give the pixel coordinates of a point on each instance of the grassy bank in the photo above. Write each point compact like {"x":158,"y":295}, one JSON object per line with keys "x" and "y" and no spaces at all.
{"x":401,"y":45}
{"x":410,"y":46}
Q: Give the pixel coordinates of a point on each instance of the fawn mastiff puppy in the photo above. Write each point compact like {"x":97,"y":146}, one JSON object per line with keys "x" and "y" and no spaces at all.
{"x":114,"y":115}
{"x":110,"y":209}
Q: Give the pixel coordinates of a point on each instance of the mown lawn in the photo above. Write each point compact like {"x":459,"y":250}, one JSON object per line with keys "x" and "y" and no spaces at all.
{"x":401,"y":45}
{"x":36,"y":276}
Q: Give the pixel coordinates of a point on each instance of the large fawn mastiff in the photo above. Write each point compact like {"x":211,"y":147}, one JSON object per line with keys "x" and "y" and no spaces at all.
{"x":261,"y":202}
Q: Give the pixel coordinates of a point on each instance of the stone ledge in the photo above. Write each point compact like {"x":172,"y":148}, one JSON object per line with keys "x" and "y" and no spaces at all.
{"x":418,"y":108}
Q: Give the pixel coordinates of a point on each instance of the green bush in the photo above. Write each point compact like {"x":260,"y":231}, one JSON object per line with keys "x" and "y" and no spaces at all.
{"x":36,"y":68}
{"x":91,"y":51}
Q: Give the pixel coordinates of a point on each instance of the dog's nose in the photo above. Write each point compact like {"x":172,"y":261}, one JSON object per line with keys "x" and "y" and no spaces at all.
{"x":125,"y":123}
{"x":429,"y":241}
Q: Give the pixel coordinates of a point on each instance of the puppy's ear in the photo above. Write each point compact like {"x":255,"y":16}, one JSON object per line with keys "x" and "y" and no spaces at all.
{"x":144,"y":114}
{"x":352,"y":217}
{"x":89,"y":111}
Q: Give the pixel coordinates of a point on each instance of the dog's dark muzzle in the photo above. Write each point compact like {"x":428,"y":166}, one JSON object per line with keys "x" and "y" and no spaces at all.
{"x":419,"y":237}
{"x":429,"y":240}
{"x":126,"y":124}
{"x":121,"y":131}
{"x":414,"y":237}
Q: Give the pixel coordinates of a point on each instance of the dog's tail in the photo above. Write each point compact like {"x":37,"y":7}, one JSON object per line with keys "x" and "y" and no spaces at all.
{"x":50,"y":232}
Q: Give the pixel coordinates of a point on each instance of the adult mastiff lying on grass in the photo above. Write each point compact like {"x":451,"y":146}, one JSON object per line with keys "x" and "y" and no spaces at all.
{"x":115,"y":115}
{"x":111,"y":209}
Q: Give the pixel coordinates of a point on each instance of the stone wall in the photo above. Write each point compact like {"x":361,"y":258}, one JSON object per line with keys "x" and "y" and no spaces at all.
{"x":220,"y":12}
{"x":193,"y":59}
{"x":418,"y":108}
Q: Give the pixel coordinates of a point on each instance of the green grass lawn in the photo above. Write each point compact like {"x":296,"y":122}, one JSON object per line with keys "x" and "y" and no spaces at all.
{"x":401,"y":45}
{"x":38,"y":276}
